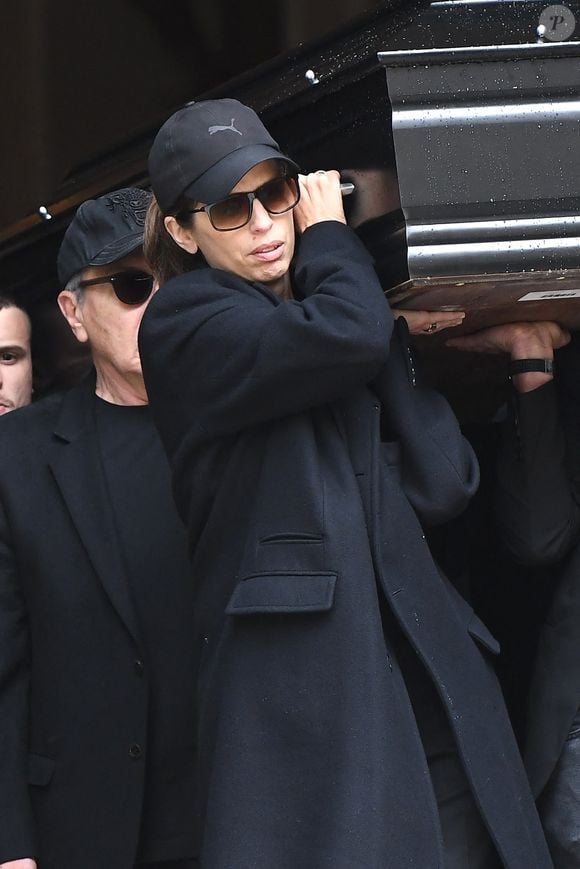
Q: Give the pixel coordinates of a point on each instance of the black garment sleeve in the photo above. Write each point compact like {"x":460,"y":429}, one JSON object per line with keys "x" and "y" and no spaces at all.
{"x":537,"y":489}
{"x":221,"y":355}
{"x":438,"y":469}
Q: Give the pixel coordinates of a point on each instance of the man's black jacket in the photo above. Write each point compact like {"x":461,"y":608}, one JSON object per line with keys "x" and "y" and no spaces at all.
{"x":74,"y":694}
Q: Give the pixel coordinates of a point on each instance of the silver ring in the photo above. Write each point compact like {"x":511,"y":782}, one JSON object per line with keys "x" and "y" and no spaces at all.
{"x":432,"y":327}
{"x":320,"y":172}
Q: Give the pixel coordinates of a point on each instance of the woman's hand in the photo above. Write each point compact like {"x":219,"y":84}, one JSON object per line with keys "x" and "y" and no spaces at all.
{"x":320,"y":199}
{"x":430,"y":322}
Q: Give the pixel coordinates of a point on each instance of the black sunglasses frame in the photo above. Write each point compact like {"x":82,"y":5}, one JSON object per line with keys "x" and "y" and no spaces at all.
{"x":116,"y":280}
{"x":249,"y":196}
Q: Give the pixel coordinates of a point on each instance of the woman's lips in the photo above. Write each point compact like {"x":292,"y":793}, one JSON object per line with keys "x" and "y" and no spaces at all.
{"x":268,"y":252}
{"x":4,"y":408}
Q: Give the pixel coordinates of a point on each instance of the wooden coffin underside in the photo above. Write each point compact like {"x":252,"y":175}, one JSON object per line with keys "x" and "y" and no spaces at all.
{"x":492,"y":299}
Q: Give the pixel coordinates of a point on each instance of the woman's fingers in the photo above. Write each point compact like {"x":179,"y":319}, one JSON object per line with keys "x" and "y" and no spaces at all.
{"x":430,"y":322}
{"x":320,"y":199}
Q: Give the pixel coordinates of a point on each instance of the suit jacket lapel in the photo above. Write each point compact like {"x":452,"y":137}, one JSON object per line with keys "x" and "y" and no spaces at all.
{"x":76,"y":466}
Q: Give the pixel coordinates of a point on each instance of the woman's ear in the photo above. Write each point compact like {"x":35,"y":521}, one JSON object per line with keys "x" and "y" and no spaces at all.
{"x":181,"y":235}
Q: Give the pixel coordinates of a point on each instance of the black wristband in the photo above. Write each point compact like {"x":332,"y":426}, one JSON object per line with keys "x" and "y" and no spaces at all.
{"x":522,"y":366}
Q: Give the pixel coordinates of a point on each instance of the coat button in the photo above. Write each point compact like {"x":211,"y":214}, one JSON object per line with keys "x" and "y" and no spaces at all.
{"x":135,"y":751}
{"x":138,"y":666}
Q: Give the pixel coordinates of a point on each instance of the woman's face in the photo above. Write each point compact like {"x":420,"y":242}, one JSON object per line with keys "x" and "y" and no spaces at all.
{"x":262,"y":250}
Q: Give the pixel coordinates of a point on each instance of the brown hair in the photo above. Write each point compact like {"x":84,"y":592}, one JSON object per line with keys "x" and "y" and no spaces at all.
{"x":164,"y":255}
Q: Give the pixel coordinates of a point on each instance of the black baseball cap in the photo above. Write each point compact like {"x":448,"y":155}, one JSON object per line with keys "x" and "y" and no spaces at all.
{"x":204,"y":149}
{"x":103,"y":231}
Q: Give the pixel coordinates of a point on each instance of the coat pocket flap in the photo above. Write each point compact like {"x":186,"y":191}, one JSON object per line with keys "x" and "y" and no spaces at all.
{"x":481,"y":633}
{"x":40,"y":769}
{"x":283,"y":593}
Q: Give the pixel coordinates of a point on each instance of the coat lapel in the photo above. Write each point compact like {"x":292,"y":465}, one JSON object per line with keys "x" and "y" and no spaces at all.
{"x":76,"y":466}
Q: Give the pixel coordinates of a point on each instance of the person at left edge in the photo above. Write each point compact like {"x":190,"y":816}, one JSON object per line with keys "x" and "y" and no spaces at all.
{"x":96,"y":663}
{"x":15,"y":356}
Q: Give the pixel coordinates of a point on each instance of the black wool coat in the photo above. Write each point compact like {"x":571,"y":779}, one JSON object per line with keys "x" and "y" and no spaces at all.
{"x":75,"y":687}
{"x":301,"y":521}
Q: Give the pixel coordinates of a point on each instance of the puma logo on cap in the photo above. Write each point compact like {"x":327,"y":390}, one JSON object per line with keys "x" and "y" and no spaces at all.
{"x":218,"y":128}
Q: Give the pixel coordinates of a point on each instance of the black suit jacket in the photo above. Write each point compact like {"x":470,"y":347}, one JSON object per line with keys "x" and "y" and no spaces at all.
{"x":73,"y":692}
{"x":538,"y":506}
{"x":302,"y":524}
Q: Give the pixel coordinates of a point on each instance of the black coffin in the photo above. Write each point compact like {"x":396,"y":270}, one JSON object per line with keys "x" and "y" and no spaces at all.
{"x":488,"y":162}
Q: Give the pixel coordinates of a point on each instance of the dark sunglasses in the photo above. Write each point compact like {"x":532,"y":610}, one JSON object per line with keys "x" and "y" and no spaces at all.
{"x":233,"y":212}
{"x":132,"y":287}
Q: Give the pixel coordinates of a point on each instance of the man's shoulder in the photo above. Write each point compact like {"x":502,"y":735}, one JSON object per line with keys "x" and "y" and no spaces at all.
{"x":32,"y":417}
{"x":20,"y":428}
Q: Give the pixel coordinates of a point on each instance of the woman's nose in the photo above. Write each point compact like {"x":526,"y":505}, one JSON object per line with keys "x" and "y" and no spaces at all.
{"x":261,"y":219}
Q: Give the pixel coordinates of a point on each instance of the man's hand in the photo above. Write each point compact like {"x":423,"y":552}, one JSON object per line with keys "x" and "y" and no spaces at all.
{"x":429,"y":322}
{"x":522,"y":341}
{"x":320,"y":199}
{"x":25,"y":863}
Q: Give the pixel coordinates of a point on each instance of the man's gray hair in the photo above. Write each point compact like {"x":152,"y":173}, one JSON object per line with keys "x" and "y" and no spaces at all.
{"x":73,"y":285}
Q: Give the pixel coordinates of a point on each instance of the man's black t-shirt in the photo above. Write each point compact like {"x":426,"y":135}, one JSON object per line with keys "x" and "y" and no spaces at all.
{"x":153,"y":545}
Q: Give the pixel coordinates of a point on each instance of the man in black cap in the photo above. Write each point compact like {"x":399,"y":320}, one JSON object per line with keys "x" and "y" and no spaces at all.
{"x":96,"y":670}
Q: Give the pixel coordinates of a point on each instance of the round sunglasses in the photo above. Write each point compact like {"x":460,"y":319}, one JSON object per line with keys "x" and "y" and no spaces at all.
{"x":233,"y":212}
{"x":132,"y":286}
